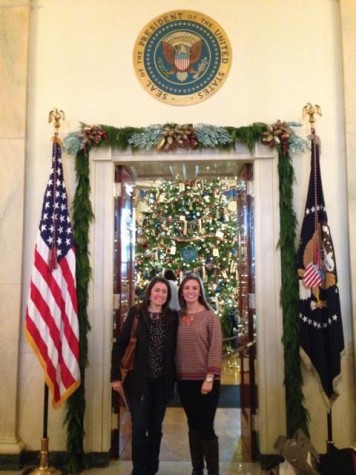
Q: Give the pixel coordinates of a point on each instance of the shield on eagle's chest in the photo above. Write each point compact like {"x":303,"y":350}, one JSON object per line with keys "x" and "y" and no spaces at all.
{"x":182,"y":61}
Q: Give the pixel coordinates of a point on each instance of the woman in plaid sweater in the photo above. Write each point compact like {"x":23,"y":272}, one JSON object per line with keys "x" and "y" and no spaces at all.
{"x":198,"y":360}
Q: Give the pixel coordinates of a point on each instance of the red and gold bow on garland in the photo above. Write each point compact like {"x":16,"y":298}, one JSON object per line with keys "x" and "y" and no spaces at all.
{"x":277,"y":133}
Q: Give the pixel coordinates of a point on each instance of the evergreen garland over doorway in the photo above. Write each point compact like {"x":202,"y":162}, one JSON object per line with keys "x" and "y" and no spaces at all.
{"x":169,"y":137}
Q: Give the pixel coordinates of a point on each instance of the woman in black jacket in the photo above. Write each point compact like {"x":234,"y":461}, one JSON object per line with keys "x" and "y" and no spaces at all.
{"x":150,"y":384}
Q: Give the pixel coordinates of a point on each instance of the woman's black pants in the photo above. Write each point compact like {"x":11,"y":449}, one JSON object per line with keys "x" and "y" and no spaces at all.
{"x":200,"y":409}
{"x":147,"y":413}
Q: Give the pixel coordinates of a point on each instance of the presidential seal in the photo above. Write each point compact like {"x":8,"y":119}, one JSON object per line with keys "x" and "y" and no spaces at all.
{"x":182,"y":57}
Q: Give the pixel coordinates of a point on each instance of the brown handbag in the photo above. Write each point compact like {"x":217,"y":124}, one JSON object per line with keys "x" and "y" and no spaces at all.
{"x":128,"y":358}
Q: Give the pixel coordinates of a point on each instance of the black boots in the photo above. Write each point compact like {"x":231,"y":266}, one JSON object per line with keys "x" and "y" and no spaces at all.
{"x":211,"y":454}
{"x":196,"y":452}
{"x":200,"y":449}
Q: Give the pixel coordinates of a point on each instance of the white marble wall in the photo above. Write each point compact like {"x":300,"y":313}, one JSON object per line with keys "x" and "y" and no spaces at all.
{"x":348,"y":30}
{"x":14,"y":28}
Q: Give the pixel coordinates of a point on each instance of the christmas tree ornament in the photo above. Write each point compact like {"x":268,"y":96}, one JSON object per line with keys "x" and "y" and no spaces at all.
{"x":189,"y":254}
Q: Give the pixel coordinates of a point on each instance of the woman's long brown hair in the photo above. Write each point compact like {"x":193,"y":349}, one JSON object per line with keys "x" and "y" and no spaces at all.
{"x":202,"y":299}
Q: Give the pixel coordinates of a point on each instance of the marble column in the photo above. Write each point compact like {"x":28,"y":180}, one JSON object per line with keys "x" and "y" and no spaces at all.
{"x":14,"y":31}
{"x":348,"y":34}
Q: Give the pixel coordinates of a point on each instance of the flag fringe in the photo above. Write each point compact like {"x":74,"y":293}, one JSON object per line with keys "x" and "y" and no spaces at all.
{"x":328,"y":402}
{"x":68,"y":392}
{"x":56,"y":139}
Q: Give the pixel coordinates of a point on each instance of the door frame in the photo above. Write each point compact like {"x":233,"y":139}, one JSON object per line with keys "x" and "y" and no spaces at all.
{"x":270,"y":421}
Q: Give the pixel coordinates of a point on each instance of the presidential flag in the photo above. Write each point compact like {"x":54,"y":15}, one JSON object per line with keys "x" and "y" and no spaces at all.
{"x":320,"y":323}
{"x":51,"y":315}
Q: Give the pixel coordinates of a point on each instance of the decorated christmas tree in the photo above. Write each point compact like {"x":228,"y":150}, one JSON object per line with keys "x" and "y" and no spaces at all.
{"x":190,"y":226}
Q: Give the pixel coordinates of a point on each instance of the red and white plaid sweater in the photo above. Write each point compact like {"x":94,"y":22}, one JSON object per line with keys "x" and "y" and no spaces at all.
{"x":199,"y":346}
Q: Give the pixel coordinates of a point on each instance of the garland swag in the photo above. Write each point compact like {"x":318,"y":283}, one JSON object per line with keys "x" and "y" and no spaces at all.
{"x":164,"y":138}
{"x":82,"y":217}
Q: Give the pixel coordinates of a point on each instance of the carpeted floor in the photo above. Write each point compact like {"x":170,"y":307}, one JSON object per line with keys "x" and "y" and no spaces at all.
{"x":229,"y":397}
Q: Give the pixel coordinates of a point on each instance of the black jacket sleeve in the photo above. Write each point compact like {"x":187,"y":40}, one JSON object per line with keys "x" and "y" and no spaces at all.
{"x":119,"y":346}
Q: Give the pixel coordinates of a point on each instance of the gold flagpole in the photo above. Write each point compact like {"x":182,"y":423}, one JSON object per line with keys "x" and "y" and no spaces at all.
{"x":43,"y":469}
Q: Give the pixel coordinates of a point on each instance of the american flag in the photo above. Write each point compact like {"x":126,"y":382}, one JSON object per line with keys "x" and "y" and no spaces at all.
{"x":320,"y":322}
{"x":51,"y":315}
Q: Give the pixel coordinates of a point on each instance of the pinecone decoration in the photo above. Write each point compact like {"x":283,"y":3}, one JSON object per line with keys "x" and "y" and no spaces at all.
{"x":175,"y":136}
{"x":278,"y":133}
{"x":93,"y":134}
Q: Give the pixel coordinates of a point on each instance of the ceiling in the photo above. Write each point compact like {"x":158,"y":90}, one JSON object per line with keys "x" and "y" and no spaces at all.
{"x":183,"y":170}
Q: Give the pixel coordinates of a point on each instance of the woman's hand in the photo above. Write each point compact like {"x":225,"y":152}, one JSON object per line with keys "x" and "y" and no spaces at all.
{"x":206,"y":387}
{"x":116,"y":385}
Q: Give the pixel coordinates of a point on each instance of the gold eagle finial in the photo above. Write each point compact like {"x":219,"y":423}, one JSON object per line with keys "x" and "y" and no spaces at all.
{"x":56,"y":115}
{"x":311,"y":110}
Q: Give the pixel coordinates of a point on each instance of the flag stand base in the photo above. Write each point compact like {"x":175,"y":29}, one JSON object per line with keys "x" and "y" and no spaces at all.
{"x":329,"y":445}
{"x":43,"y":469}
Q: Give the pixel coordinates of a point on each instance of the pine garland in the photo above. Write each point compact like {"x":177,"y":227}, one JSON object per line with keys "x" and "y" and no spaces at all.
{"x":297,"y":415}
{"x":82,"y":217}
{"x":247,"y":135}
{"x":119,"y":138}
{"x":278,"y":136}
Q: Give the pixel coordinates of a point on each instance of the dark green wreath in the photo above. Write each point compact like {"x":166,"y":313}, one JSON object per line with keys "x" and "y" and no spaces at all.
{"x":168,"y":137}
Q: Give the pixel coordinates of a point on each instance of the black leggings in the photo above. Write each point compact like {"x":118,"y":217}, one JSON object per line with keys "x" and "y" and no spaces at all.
{"x":147,"y":413}
{"x":199,"y":408}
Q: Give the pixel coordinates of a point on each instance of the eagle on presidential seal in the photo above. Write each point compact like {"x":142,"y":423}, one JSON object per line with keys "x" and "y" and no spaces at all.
{"x":182,"y":50}
{"x":319,"y":272}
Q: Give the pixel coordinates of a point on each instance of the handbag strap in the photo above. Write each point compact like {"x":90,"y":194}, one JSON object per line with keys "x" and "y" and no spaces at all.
{"x":134,"y":326}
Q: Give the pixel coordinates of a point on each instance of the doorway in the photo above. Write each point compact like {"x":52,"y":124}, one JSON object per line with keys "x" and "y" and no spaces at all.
{"x":192,"y":217}
{"x":269,"y":422}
